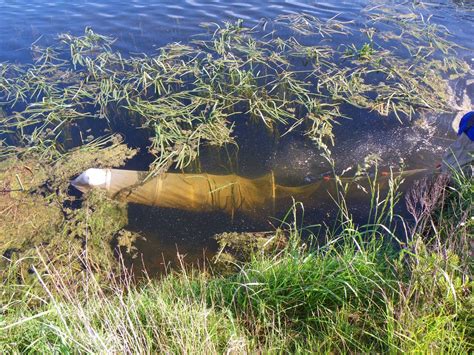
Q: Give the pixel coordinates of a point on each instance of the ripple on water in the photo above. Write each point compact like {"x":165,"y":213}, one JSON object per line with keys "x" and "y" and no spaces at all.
{"x":176,"y":19}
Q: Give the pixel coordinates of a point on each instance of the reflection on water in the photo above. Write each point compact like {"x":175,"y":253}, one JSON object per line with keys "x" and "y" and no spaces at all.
{"x":144,"y":26}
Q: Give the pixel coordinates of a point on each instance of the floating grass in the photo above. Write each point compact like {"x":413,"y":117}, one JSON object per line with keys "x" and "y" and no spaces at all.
{"x":190,"y":95}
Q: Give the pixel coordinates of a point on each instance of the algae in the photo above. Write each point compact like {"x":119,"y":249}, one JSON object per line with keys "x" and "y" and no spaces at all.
{"x":236,"y":248}
{"x":41,"y":222}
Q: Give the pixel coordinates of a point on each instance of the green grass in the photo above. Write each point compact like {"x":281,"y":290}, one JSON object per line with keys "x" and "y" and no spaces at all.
{"x":354,"y":293}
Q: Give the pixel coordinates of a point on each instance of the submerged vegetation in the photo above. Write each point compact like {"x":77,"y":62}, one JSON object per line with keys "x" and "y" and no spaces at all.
{"x":193,"y":94}
{"x":390,"y":285}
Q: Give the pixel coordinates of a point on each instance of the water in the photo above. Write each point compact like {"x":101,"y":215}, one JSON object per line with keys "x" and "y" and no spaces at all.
{"x":144,"y":26}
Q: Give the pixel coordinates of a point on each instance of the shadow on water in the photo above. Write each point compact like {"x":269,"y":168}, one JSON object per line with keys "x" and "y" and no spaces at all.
{"x":171,"y":234}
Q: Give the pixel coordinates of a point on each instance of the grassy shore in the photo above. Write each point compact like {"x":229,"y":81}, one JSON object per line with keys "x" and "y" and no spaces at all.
{"x":360,"y":291}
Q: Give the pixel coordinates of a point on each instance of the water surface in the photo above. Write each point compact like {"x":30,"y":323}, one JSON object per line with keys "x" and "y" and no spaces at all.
{"x":144,"y":26}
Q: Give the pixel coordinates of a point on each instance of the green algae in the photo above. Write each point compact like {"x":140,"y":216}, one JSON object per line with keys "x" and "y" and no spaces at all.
{"x":236,"y":248}
{"x":27,"y":222}
{"x":41,"y":223}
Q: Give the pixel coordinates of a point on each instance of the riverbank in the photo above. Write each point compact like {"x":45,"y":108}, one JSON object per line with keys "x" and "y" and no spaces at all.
{"x":357,"y":292}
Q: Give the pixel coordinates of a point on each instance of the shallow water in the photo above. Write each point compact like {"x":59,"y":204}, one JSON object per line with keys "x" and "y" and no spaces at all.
{"x":145,"y":26}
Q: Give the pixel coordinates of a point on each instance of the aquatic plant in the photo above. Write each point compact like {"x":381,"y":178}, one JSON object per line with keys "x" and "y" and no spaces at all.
{"x":38,"y":214}
{"x":190,"y":95}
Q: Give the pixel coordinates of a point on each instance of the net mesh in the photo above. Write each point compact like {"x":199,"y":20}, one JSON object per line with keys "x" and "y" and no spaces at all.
{"x":230,"y":193}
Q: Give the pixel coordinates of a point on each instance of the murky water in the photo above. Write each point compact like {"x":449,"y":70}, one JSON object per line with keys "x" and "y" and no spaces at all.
{"x":144,"y":26}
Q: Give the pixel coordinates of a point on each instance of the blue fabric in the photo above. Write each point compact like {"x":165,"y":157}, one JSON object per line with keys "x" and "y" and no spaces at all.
{"x":467,"y":125}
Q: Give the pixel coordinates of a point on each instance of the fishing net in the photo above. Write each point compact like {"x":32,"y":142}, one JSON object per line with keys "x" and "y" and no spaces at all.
{"x":229,"y":193}
{"x":201,"y":192}
{"x":459,"y":155}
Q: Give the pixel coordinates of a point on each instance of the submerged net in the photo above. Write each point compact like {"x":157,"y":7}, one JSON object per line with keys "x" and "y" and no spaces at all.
{"x":228,"y":193}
